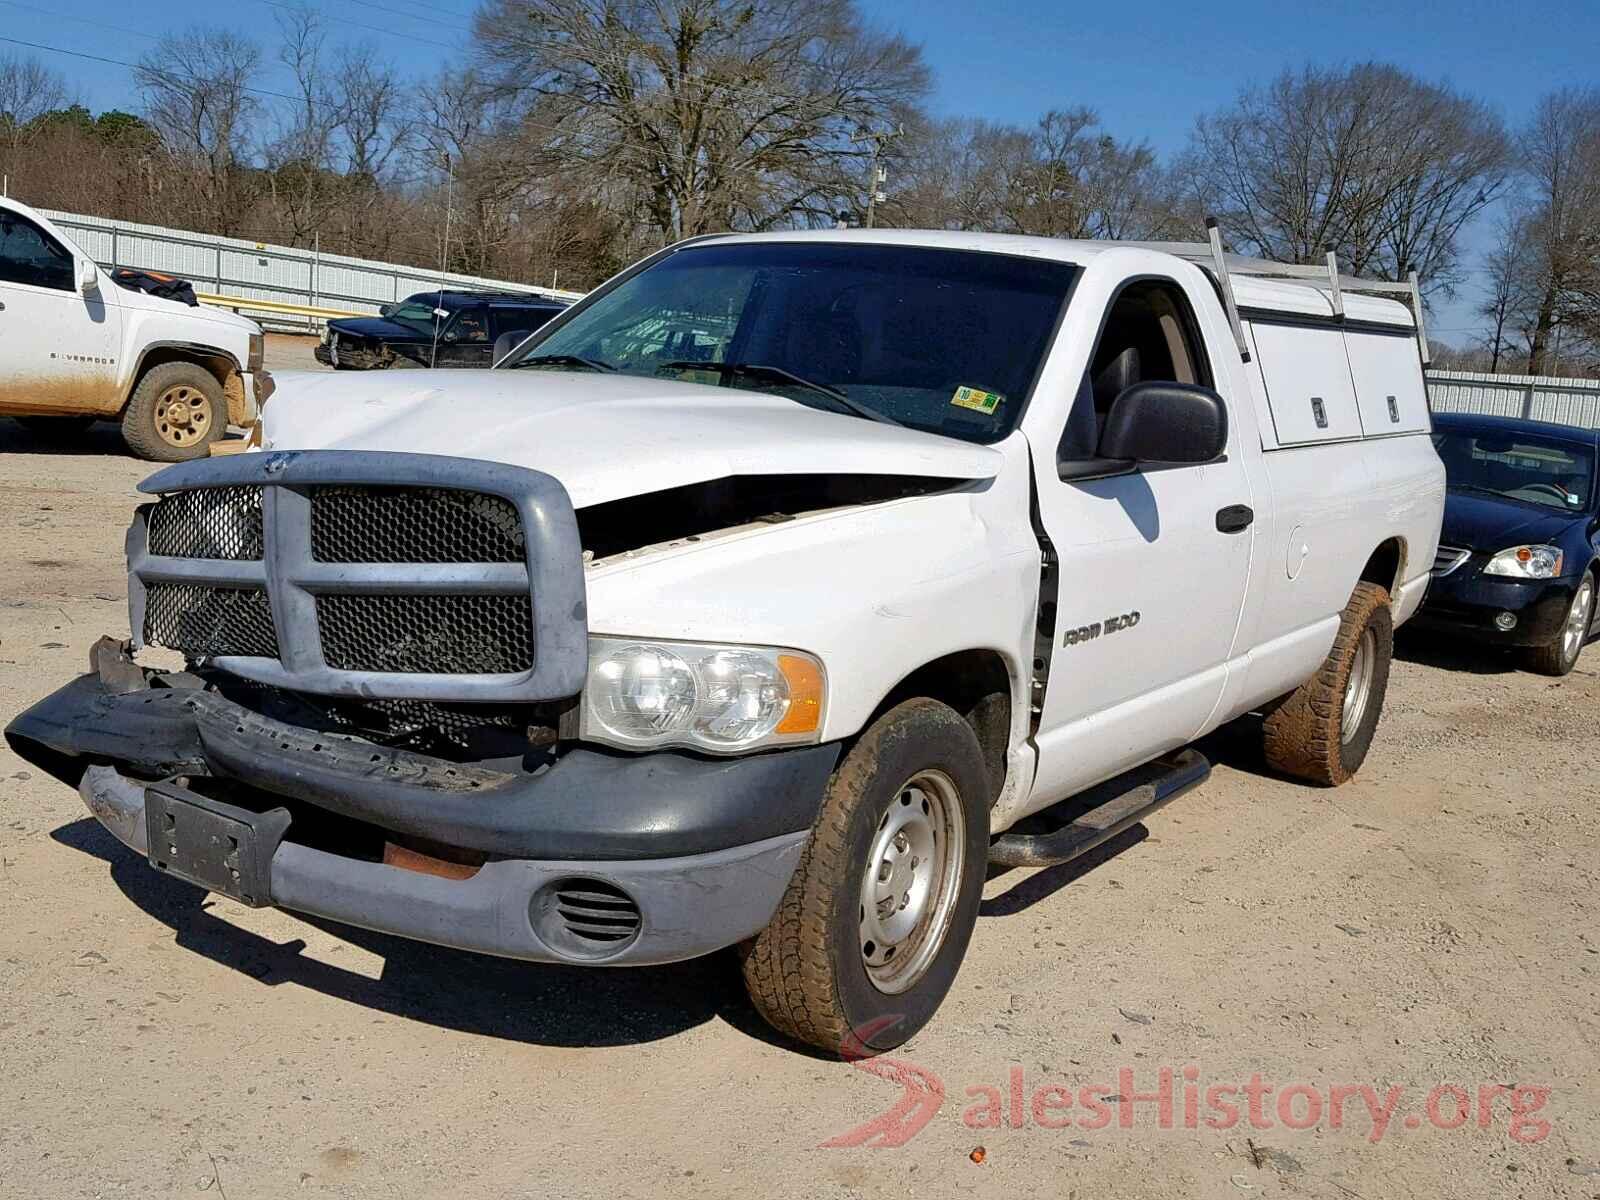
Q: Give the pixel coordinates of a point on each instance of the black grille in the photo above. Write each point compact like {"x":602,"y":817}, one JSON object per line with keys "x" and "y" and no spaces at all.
{"x":468,"y":635}
{"x":219,"y":522}
{"x":592,"y":910}
{"x":486,"y":729}
{"x":208,"y":622}
{"x":413,"y":525}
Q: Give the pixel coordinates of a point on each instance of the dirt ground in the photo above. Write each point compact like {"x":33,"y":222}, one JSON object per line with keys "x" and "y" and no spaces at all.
{"x":1432,"y":923}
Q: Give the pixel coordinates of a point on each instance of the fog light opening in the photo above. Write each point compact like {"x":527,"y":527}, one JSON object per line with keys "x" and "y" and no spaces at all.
{"x":584,"y":918}
{"x":1505,"y":622}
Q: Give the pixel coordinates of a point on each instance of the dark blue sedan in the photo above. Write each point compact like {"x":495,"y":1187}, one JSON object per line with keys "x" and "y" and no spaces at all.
{"x":1518,"y":553}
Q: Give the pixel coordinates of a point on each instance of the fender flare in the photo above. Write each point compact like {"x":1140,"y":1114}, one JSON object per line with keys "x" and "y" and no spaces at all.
{"x":197,"y":352}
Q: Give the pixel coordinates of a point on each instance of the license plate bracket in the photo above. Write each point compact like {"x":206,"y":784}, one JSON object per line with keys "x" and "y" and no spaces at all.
{"x":220,"y":847}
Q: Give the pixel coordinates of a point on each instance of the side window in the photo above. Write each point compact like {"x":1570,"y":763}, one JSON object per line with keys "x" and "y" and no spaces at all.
{"x":504,"y":318}
{"x":1150,"y":335}
{"x":470,"y":324}
{"x":30,"y":255}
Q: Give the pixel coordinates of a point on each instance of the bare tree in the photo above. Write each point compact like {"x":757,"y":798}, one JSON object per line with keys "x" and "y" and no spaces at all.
{"x":28,"y":91}
{"x":375,"y":132}
{"x":1560,"y":152}
{"x":718,"y":113}
{"x":197,"y":91}
{"x":303,"y":187}
{"x":1382,"y":166}
{"x":1066,"y":177}
{"x":1511,"y":287}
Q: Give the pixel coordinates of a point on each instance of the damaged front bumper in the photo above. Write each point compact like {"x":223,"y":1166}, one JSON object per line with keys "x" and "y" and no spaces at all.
{"x":584,"y":856}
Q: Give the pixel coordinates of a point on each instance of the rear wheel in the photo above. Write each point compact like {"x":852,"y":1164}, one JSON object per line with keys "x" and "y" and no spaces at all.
{"x":877,"y":917}
{"x":175,"y":414}
{"x":1323,"y":731}
{"x":1560,"y":654}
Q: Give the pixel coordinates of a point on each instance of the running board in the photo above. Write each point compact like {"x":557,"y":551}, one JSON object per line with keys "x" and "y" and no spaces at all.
{"x":1144,"y":790}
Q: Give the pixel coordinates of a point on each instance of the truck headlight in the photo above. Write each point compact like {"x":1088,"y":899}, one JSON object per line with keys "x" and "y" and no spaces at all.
{"x":1526,"y":562}
{"x":721,"y":699}
{"x":258,"y":352}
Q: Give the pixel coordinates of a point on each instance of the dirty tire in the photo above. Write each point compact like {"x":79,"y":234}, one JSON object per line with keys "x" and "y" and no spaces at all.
{"x":1304,"y":736}
{"x":1555,"y":657}
{"x":140,"y":419}
{"x":805,"y":971}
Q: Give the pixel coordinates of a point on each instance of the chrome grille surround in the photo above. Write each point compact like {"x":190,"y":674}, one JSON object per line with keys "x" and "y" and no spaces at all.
{"x":1448,"y":559}
{"x":503,"y":631}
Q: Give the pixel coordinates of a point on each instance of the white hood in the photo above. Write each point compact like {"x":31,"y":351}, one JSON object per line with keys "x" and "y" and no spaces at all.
{"x":603,"y":436}
{"x":211,"y":315}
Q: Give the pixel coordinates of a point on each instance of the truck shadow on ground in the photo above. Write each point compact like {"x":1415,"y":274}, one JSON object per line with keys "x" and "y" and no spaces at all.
{"x":533,"y":1003}
{"x":1042,"y":884}
{"x":103,"y":437}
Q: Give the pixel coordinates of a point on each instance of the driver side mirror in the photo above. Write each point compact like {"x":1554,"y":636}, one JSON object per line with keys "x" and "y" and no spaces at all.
{"x":88,"y":277}
{"x":1166,"y":424}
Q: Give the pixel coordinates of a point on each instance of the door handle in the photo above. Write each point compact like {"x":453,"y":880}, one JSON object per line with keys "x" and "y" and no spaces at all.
{"x":1236,"y":518}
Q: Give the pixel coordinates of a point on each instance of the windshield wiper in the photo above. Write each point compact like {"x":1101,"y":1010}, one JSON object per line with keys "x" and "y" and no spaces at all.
{"x":779,"y":375}
{"x":563,"y":360}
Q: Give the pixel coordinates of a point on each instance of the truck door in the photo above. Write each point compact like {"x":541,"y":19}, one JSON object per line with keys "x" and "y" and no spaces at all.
{"x":1151,"y":567}
{"x":58,"y":347}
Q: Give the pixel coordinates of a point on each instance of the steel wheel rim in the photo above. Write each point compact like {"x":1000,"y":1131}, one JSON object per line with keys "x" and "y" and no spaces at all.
{"x":911,"y":880}
{"x":1577,"y":622}
{"x":183,"y":415}
{"x":1358,"y":687}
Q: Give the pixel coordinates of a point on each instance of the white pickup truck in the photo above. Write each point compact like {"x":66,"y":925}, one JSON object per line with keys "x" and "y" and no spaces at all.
{"x":76,"y":348}
{"x":764,"y":599}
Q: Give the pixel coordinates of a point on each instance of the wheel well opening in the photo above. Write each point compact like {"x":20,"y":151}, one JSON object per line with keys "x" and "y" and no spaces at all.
{"x":977,"y":685}
{"x":220,"y":365}
{"x":1385,"y":566}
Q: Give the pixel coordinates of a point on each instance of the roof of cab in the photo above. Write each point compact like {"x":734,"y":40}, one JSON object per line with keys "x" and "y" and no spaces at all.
{"x":1249,"y":291}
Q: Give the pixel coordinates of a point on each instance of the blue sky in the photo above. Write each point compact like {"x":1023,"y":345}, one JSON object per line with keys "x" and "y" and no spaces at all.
{"x":1148,"y":68}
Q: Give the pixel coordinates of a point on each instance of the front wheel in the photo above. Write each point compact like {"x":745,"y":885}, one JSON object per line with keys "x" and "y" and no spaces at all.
{"x":876,"y":920}
{"x":1323,"y":731}
{"x":175,"y":413}
{"x":1560,"y":654}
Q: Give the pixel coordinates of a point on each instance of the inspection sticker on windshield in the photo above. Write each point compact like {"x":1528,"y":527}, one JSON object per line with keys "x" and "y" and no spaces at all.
{"x":978,"y":401}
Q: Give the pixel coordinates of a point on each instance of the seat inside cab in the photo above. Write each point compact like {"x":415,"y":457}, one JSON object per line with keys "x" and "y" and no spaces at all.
{"x":1149,"y":336}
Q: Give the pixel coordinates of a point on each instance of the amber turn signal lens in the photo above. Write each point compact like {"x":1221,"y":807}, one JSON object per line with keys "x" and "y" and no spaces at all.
{"x":804,"y":678}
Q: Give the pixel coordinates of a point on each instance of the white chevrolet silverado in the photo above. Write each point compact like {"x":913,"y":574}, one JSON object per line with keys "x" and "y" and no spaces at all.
{"x":76,"y":348}
{"x":764,"y":599}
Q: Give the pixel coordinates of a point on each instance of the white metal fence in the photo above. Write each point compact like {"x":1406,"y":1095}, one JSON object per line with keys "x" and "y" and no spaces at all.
{"x":261,"y":271}
{"x":1538,"y":397}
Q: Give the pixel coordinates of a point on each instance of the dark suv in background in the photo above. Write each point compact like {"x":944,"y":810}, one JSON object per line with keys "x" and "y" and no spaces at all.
{"x":434,"y":329}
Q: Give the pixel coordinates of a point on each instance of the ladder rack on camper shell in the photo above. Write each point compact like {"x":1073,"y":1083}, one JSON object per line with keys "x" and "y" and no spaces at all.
{"x":1327,"y":278}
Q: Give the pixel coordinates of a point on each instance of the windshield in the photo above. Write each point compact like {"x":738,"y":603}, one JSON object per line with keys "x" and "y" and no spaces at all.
{"x":1535,"y":470}
{"x":947,"y":341}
